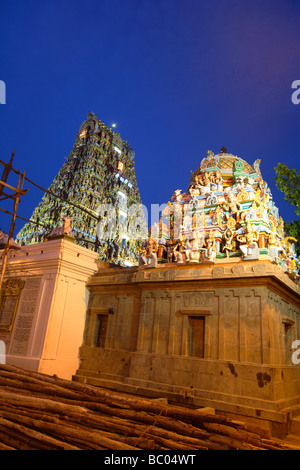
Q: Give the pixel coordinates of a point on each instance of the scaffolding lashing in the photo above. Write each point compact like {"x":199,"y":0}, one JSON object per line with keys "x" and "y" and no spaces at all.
{"x":15,"y":195}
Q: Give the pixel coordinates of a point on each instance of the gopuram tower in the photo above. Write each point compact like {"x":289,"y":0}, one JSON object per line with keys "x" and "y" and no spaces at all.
{"x":96,"y":184}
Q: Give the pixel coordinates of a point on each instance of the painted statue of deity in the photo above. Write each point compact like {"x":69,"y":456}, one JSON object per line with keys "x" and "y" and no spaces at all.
{"x":218,"y":181}
{"x":228,"y":247}
{"x":180,"y":252}
{"x":232,"y":206}
{"x":211,"y":247}
{"x":204,"y":181}
{"x":177,"y":196}
{"x":192,"y":249}
{"x":195,"y":187}
{"x":248,"y":242}
{"x":274,"y":245}
{"x":148,"y":254}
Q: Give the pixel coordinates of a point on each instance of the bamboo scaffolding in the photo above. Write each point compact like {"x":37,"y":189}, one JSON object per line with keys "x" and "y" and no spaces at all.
{"x":6,"y":171}
{"x":26,"y":220}
{"x":7,"y":168}
{"x":51,"y":192}
{"x":18,"y":191}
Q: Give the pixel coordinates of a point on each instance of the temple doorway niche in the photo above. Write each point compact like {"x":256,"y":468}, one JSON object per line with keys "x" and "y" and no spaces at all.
{"x":100,"y":330}
{"x":196,"y":336}
{"x":288,"y":338}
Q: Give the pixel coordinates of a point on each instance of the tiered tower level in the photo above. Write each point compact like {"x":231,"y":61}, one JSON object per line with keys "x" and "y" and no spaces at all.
{"x":226,"y":212}
{"x":100,"y":170}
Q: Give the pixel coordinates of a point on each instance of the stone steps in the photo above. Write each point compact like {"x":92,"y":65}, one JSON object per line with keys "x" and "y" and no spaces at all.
{"x":294,"y":427}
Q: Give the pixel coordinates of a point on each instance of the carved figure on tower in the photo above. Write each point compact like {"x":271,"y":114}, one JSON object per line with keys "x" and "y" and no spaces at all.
{"x":227,"y":211}
{"x":248,"y":242}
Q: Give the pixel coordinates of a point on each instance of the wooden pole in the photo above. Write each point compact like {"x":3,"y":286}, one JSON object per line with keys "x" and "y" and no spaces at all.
{"x":43,"y":412}
{"x":26,"y":220}
{"x":6,"y":171}
{"x":19,"y":191}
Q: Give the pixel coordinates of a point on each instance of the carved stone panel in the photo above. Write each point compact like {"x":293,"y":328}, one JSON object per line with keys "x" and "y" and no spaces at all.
{"x":9,"y":300}
{"x":25,"y":316}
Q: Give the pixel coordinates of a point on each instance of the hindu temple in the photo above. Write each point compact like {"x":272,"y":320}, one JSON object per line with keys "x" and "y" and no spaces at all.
{"x":210,"y":317}
{"x":226,"y":212}
{"x":98,"y":173}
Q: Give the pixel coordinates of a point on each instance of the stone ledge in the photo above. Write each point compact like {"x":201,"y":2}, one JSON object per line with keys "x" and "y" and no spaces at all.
{"x":220,"y":271}
{"x":150,"y":390}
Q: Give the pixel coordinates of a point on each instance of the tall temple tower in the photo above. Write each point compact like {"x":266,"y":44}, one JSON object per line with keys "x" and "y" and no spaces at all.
{"x":96,"y":185}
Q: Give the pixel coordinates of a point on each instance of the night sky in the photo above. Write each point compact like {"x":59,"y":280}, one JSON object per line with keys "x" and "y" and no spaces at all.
{"x":179,"y":77}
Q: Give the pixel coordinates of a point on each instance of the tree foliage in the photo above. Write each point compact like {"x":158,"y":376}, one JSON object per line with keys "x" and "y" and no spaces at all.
{"x":288,"y":182}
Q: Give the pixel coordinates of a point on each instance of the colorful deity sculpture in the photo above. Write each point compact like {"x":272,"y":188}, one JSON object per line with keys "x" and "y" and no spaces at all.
{"x":179,"y":252}
{"x":232,"y":206}
{"x":211,"y":246}
{"x":274,"y":244}
{"x":227,"y":211}
{"x":148,"y":256}
{"x":248,"y":242}
{"x":228,"y":236}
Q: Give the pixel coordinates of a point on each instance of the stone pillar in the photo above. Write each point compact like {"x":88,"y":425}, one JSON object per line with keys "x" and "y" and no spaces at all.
{"x":47,"y":328}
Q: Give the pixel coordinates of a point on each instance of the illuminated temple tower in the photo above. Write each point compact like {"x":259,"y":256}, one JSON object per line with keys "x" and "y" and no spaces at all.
{"x":211,"y":316}
{"x":227,"y":212}
{"x":99,"y":172}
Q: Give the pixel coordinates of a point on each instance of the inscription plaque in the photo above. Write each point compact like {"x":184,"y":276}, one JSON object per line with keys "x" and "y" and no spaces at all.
{"x":25,"y":316}
{"x":10,"y":295}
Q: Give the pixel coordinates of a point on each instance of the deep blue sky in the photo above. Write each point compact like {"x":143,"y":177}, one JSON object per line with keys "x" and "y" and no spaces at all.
{"x":180,"y":77}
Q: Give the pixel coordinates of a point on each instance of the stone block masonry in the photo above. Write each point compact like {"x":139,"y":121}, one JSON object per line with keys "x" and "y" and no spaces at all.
{"x":213,"y":334}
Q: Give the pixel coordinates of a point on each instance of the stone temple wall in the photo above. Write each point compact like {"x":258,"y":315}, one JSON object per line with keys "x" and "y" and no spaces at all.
{"x":217,"y":335}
